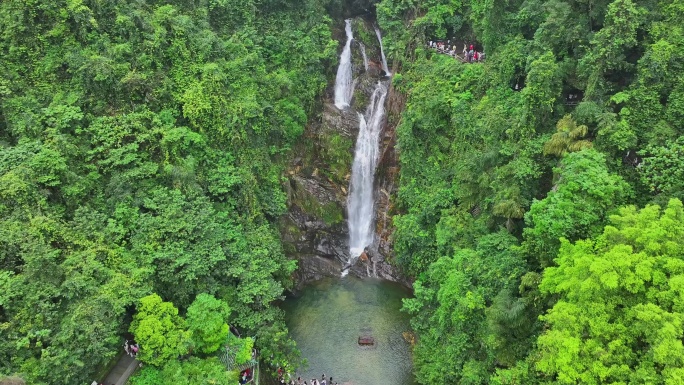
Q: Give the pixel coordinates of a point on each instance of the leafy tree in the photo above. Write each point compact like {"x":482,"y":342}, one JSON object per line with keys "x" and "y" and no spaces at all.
{"x":274,"y":342}
{"x":543,"y":87}
{"x":611,"y":45}
{"x":159,"y":331}
{"x":619,"y":318}
{"x":206,"y":320}
{"x":649,"y":106}
{"x":584,"y":195}
{"x":662,"y":169}
{"x":451,"y":312}
{"x":193,"y":371}
{"x":185,"y":239}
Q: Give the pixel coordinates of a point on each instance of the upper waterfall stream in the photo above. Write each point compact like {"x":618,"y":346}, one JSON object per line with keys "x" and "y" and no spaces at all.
{"x":343,"y":80}
{"x":382,"y":52}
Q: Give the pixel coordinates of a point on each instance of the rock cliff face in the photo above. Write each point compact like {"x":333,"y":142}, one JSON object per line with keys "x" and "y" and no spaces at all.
{"x":315,"y":229}
{"x":386,"y":186}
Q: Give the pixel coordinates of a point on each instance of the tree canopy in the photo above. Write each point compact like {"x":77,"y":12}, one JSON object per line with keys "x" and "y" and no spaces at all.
{"x":574,"y":114}
{"x":206,"y":320}
{"x":159,"y":330}
{"x":620,"y":315}
{"x":142,"y":149}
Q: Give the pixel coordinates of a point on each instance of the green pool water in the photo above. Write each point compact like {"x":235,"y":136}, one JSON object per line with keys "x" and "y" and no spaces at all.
{"x":327,"y":318}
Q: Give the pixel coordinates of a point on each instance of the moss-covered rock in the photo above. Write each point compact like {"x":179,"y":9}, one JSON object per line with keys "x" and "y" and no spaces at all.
{"x":311,"y":204}
{"x":336,"y":153}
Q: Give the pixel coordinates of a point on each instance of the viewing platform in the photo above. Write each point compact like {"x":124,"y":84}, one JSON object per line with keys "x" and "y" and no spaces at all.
{"x":228,"y":358}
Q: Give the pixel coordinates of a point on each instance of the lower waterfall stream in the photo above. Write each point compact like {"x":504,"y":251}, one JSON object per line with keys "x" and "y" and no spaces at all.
{"x":360,"y":204}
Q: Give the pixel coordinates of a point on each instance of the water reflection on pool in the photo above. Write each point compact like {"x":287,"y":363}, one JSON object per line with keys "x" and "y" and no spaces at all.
{"x":327,"y":318}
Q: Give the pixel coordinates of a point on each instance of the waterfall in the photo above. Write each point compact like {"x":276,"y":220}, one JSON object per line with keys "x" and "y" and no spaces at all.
{"x":343,"y":81}
{"x":360,"y":204}
{"x":382,"y":52}
{"x":363,"y":53}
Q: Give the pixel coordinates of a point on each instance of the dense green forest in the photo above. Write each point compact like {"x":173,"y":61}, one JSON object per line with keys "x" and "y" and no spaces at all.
{"x":531,"y":222}
{"x":143,"y":145}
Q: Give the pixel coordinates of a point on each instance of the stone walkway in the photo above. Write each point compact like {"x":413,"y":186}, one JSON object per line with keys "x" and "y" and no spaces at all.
{"x":122,"y":371}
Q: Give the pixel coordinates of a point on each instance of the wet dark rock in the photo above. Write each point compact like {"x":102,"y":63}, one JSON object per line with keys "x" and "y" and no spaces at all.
{"x":375,"y":70}
{"x":313,"y":268}
{"x":345,"y":122}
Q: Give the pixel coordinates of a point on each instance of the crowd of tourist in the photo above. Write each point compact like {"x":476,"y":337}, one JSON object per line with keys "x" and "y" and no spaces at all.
{"x":299,"y":381}
{"x":314,"y":381}
{"x":468,"y":54}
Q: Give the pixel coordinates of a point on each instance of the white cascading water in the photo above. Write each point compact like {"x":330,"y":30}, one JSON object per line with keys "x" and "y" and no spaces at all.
{"x":382,"y":52}
{"x":363,"y":54}
{"x":343,"y":81}
{"x":360,"y":204}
